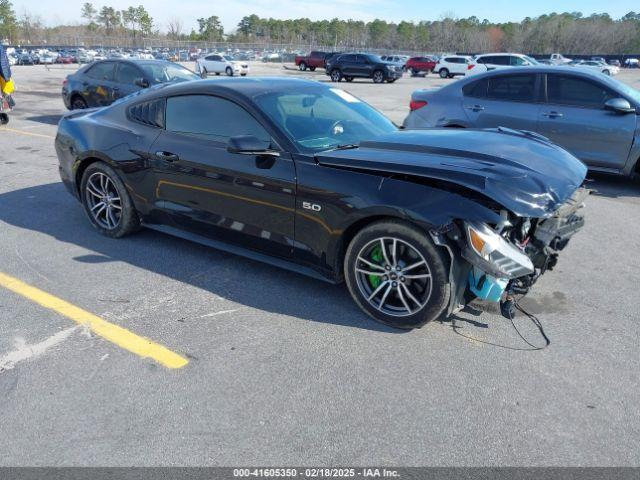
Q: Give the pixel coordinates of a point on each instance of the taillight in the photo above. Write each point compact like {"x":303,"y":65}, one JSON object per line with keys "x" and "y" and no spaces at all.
{"x":416,"y":104}
{"x":470,"y":66}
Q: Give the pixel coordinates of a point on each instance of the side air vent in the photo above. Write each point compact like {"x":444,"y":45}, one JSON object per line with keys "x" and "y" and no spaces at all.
{"x":148,"y":113}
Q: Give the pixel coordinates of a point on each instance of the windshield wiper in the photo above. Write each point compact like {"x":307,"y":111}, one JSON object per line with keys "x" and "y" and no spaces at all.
{"x":346,"y":146}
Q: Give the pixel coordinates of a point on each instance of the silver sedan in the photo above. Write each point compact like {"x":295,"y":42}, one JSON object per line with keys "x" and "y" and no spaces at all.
{"x":589,"y":114}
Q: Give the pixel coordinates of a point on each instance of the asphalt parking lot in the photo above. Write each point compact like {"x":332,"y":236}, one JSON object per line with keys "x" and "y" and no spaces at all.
{"x":279,"y":369}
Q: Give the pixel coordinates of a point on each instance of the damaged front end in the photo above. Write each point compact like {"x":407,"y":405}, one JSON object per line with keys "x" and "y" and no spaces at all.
{"x":498,"y":261}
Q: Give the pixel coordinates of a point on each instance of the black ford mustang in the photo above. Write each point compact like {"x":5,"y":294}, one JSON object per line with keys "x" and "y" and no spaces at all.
{"x":309,"y":177}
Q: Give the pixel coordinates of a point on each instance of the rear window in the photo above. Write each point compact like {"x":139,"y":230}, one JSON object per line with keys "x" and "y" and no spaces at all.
{"x":102,"y":71}
{"x":514,"y":88}
{"x":476,"y":89}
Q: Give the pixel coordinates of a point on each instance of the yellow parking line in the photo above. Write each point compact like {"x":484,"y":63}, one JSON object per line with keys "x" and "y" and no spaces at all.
{"x":121,"y":337}
{"x":22,"y":132}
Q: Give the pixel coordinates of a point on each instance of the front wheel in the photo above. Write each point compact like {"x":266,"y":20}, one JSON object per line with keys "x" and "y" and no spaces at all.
{"x":336,"y":76}
{"x":203,"y":73}
{"x":106,"y":201}
{"x":378,"y":76}
{"x":313,"y":69}
{"x":349,"y":79}
{"x":302,"y":66}
{"x":607,"y":73}
{"x":397,"y":275}
{"x":229,"y":71}
{"x":444,"y":73}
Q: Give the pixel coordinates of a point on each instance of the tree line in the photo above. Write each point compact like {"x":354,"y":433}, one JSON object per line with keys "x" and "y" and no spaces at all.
{"x":568,"y":32}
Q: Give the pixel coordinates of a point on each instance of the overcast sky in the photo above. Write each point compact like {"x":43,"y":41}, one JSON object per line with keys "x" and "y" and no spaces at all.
{"x":231,"y":11}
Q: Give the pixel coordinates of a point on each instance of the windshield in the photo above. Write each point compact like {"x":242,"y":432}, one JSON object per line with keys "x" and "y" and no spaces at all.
{"x":228,"y":58}
{"x":318,"y":119}
{"x":531,"y":60}
{"x":168,"y":72}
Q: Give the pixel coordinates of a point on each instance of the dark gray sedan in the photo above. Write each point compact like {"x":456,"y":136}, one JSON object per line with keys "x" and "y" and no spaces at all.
{"x":591,"y":115}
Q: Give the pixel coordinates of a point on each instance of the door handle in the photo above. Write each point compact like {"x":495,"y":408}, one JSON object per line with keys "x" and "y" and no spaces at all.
{"x":553,"y":115}
{"x":476,"y":108}
{"x":167,"y":156}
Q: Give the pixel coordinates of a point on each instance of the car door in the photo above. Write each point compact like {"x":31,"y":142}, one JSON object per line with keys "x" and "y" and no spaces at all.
{"x":98,"y":83}
{"x":247,"y":200}
{"x":125,"y":79}
{"x":575,"y":118}
{"x":363,"y":66}
{"x":507,"y":100}
{"x":348,"y":65}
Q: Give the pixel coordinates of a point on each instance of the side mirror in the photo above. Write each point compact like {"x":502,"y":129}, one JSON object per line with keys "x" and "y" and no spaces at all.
{"x":141,"y":82}
{"x":619,"y":105}
{"x":249,"y":145}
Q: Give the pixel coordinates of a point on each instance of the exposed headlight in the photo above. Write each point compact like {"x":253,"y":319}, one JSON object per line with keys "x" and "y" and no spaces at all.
{"x":493,"y":254}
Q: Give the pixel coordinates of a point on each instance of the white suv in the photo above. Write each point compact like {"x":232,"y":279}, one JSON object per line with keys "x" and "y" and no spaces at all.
{"x":493,"y":61}
{"x":220,"y":64}
{"x":448,"y":66}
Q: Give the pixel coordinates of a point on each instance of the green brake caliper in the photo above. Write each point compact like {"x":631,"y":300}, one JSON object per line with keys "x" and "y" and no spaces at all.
{"x":376,"y":257}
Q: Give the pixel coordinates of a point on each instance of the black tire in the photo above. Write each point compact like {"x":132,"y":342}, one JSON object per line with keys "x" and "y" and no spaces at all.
{"x":78,"y":103}
{"x":607,"y":73}
{"x":413,"y":72}
{"x":4,"y":118}
{"x":204,"y":73}
{"x":302,"y":67}
{"x":243,"y":74}
{"x":411,"y":240}
{"x":378,"y":76}
{"x":444,"y":73}
{"x":336,"y":75}
{"x":229,"y":71}
{"x":348,"y":79}
{"x":218,"y":74}
{"x":391,"y":80}
{"x":313,"y":69}
{"x":451,"y":75}
{"x":128,"y":220}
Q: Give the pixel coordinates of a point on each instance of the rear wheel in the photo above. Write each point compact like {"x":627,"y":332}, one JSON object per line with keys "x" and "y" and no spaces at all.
{"x":396,"y":274}
{"x":78,"y":103}
{"x":203,"y":73}
{"x":313,"y":69}
{"x":336,"y":76}
{"x":378,"y":76}
{"x":107,"y":202}
{"x":349,"y":79}
{"x":302,"y":66}
{"x":413,"y":72}
{"x":444,"y":73}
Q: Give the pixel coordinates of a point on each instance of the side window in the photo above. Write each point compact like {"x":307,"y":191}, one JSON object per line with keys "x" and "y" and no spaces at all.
{"x":209,"y":58}
{"x":127,"y":74}
{"x":569,"y":90}
{"x":347,"y":58}
{"x":517,"y":61}
{"x":513,"y":88}
{"x":211,"y":117}
{"x":476,"y":89}
{"x":101,"y":71}
{"x":360,"y":59}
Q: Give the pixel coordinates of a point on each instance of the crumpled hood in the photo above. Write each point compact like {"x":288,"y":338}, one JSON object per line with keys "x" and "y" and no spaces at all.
{"x":524,"y":172}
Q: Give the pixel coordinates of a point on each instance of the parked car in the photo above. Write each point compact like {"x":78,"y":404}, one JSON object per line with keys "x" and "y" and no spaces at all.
{"x":221,"y":64}
{"x":599,"y":59}
{"x":101,"y":83}
{"x":632,"y":63}
{"x":493,"y":61}
{"x":559,"y":59}
{"x":307,"y":177}
{"x":312,"y":61}
{"x":397,"y":60}
{"x":449,"y":66}
{"x":417,"y":65}
{"x":615,"y":63}
{"x":591,"y":115}
{"x":48,"y":59}
{"x":25,"y":59}
{"x":361,"y":65}
{"x":599,"y":67}
{"x":65,"y":59}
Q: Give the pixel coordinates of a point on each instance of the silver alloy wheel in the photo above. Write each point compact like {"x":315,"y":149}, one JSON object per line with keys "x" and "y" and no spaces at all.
{"x":103,"y":201}
{"x":378,"y":77}
{"x":336,"y":76}
{"x":393,"y":276}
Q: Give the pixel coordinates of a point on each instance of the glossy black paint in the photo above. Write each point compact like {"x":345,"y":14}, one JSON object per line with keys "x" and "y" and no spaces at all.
{"x":268,"y":204}
{"x":352,"y":65}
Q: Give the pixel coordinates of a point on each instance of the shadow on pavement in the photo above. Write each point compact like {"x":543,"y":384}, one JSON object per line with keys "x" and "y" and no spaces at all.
{"x":50,"y":210}
{"x":612,"y":186}
{"x":47,"y":119}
